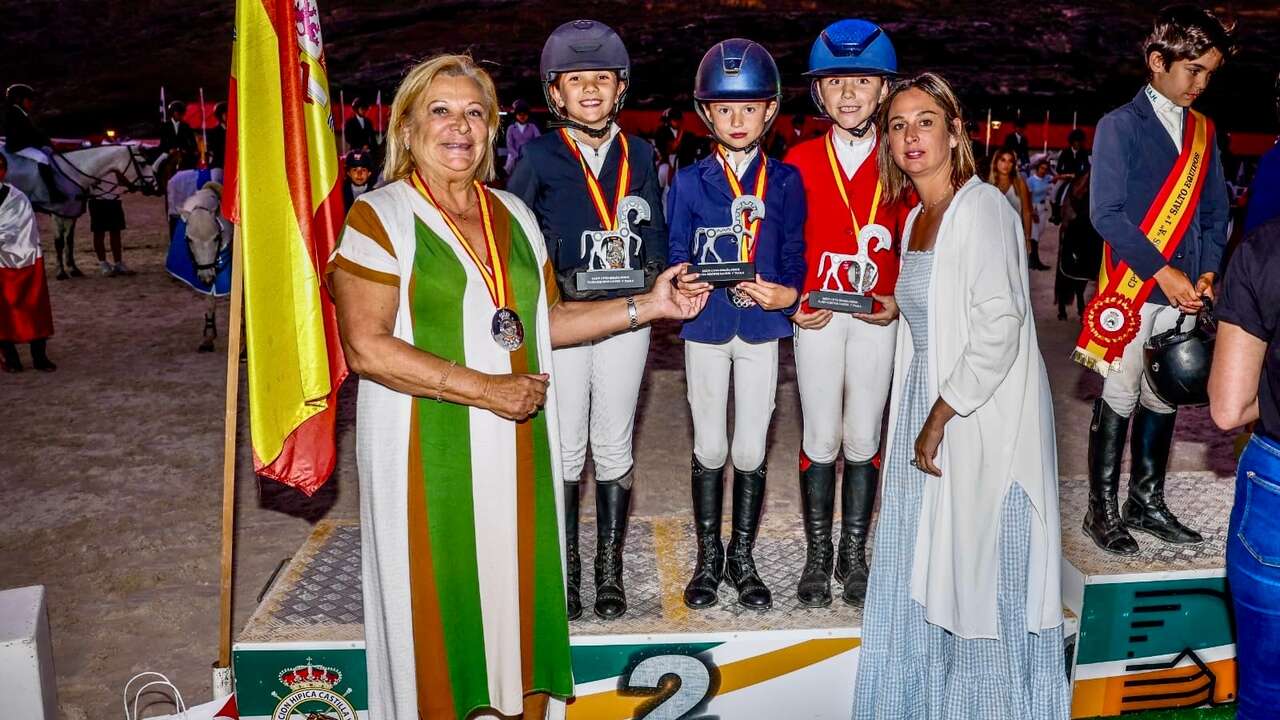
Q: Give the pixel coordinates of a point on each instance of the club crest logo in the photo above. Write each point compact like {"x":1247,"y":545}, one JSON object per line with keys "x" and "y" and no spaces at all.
{"x":312,"y":695}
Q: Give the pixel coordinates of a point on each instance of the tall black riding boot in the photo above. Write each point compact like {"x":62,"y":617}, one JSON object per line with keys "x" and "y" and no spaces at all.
{"x":40,"y":356}
{"x":708,"y":500}
{"x":12,"y":362}
{"x":46,"y":174}
{"x":613,"y":500}
{"x":1145,"y":509}
{"x":857,"y":498}
{"x":817,"y":500}
{"x":1034,"y":261}
{"x":573,"y":561}
{"x":739,"y":565}
{"x":1102,"y":521}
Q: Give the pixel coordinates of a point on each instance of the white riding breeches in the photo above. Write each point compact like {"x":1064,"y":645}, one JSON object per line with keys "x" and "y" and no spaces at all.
{"x":754,"y":369}
{"x":844,"y":371}
{"x":1125,"y":388}
{"x":597,"y":387}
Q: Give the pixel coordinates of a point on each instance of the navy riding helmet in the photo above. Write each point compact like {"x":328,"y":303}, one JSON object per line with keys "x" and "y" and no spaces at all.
{"x":850,"y":47}
{"x":583,"y":45}
{"x":736,"y":70}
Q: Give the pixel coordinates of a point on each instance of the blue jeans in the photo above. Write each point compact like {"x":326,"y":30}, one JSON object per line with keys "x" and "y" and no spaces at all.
{"x":1253,"y":571}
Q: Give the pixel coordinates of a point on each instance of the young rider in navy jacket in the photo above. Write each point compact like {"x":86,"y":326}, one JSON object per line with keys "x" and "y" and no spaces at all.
{"x":575,"y":180}
{"x":736,"y":335}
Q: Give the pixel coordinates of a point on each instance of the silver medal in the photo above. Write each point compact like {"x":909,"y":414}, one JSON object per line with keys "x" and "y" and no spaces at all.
{"x":507,"y":330}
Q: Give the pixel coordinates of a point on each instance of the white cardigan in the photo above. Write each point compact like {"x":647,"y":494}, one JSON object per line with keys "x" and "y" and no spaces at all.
{"x":985,"y":362}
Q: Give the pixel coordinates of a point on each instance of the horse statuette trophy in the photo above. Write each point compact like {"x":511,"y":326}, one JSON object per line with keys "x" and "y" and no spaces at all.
{"x":609,"y":264}
{"x":860,"y":271}
{"x":710,"y":264}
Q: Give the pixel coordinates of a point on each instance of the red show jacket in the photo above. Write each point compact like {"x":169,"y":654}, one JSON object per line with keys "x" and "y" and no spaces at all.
{"x":827,"y":226}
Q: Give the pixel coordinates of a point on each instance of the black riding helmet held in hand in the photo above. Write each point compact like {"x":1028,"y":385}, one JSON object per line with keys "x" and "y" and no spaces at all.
{"x":1178,"y":360}
{"x":583,"y":45}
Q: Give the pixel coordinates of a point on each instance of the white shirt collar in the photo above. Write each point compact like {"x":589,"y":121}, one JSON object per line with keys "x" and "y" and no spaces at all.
{"x":595,"y":156}
{"x":740,"y":168}
{"x":1169,"y":113}
{"x":852,"y":153}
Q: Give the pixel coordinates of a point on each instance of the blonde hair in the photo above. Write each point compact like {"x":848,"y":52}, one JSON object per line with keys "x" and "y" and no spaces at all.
{"x":963,"y":166}
{"x":1015,"y":177}
{"x":399,"y":161}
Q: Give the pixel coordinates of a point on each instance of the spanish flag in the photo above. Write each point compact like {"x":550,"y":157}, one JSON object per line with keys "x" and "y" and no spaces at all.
{"x":284,"y":195}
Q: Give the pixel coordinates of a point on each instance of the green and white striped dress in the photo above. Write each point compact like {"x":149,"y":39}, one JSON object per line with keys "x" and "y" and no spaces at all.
{"x":464,"y":598}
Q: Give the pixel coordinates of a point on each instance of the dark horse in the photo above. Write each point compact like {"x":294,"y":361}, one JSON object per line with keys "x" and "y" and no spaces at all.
{"x":1079,"y":249}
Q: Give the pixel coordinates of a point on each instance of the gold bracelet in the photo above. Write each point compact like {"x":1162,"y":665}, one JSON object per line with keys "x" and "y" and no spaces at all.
{"x":444,"y":377}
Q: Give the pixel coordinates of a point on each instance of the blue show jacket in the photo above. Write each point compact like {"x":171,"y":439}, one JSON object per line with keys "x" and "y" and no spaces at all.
{"x":1132,"y":156}
{"x":701,"y":197}
{"x":549,"y":180}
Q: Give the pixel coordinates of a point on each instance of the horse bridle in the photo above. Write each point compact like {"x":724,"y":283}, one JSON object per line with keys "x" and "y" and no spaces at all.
{"x":218,"y":263}
{"x":143,"y":184}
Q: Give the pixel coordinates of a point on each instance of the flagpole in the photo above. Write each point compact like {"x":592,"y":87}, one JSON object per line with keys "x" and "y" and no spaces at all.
{"x":204,"y":130}
{"x":379,"y":100}
{"x":1075,"y":114}
{"x":164,"y":108}
{"x":229,"y":451}
{"x":342,"y":118}
{"x":1046,"y":133}
{"x":987,"y":151}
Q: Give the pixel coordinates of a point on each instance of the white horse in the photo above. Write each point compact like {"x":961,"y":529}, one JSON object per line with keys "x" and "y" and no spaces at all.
{"x":208,"y":236}
{"x":81,"y":174}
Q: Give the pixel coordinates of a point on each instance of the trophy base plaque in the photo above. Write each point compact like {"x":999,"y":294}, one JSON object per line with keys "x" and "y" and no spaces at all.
{"x":609,"y":280}
{"x":725,"y":273}
{"x":840,"y":302}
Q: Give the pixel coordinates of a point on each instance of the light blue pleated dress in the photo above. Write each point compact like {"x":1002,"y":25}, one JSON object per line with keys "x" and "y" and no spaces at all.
{"x":909,"y":669}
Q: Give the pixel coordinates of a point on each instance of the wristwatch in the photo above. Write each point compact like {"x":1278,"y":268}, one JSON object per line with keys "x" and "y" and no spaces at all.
{"x":632,"y":313}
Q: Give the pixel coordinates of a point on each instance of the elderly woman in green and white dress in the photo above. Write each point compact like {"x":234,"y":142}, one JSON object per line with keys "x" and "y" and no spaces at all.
{"x":449,"y":309}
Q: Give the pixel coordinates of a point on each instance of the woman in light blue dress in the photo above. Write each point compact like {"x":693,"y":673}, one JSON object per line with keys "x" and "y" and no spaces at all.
{"x":963,"y":617}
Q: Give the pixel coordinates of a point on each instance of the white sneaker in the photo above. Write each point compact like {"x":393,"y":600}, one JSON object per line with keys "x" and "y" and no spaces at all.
{"x":107,"y":268}
{"x":122,"y":269}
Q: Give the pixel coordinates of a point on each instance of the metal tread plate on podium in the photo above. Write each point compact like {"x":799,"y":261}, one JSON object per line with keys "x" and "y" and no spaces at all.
{"x":318,"y":595}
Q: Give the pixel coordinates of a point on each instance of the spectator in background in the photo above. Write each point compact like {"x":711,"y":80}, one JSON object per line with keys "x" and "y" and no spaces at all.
{"x":519,"y":134}
{"x":25,"y":313}
{"x":1072,"y":163}
{"x":217,"y":145}
{"x":1005,"y":176}
{"x":106,"y":217}
{"x":784,"y":140}
{"x":360,"y":177}
{"x":175,"y":133}
{"x":1016,"y":141}
{"x":359,"y":131}
{"x":1040,"y":187}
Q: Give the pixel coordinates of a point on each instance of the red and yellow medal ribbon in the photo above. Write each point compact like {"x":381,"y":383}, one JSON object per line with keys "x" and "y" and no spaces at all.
{"x":494,"y":272}
{"x":747,"y":252}
{"x":608,"y":219}
{"x":1111,"y":320}
{"x":838,"y":176}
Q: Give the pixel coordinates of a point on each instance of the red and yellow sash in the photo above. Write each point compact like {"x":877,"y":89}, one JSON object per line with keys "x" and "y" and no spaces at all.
{"x":608,"y":218}
{"x":747,"y":251}
{"x":1111,"y":320}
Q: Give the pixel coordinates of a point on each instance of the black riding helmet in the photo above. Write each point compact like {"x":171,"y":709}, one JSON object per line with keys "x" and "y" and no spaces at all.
{"x":583,"y":45}
{"x":18,"y":93}
{"x":1178,"y":360}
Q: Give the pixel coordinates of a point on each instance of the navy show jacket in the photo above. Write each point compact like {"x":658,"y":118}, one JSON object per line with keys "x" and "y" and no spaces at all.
{"x":548,"y":178}
{"x":1132,"y":156}
{"x":701,"y":197}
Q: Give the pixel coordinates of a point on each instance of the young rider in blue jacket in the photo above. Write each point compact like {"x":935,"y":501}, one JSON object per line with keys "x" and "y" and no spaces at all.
{"x":736,"y":335}
{"x":585,"y":178}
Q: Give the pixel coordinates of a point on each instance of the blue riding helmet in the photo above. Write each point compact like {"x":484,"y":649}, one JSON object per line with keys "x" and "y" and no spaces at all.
{"x":737,"y":70}
{"x":852,"y":47}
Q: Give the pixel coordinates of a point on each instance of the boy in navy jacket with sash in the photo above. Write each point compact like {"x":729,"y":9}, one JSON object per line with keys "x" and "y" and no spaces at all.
{"x":736,"y":335}
{"x":1158,"y":198}
{"x":589,"y":176}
